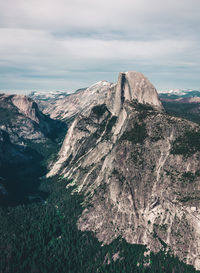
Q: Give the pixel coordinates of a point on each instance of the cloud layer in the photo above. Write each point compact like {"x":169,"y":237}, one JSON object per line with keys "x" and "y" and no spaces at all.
{"x":63,"y":44}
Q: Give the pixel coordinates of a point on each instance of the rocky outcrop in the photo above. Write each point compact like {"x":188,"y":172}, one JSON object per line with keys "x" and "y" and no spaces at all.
{"x":130,"y":86}
{"x":134,"y":86}
{"x":138,"y":169}
{"x":27,"y":107}
{"x":22,"y":120}
{"x":25,"y":134}
{"x":45,"y":99}
{"x":80,"y":102}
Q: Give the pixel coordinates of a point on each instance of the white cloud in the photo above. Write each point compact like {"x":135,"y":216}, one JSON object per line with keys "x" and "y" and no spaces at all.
{"x":34,"y":46}
{"x":57,"y":39}
{"x":104,"y":15}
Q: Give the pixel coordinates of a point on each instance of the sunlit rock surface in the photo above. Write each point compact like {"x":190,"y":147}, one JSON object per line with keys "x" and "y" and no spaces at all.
{"x":138,"y":169}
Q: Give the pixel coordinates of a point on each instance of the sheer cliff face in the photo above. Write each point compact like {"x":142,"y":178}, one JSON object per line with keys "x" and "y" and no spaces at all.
{"x":138,"y":169}
{"x":21,"y":119}
{"x":130,"y":86}
{"x":134,"y":86}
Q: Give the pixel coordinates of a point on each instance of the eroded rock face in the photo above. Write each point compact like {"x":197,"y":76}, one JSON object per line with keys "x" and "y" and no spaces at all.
{"x":25,"y":136}
{"x":79,"y":102}
{"x":130,"y":86}
{"x":138,"y":169}
{"x":27,"y":107}
{"x":21,"y":119}
{"x":135,"y":86}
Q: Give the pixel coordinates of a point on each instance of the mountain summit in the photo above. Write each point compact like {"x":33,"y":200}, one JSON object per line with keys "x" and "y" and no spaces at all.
{"x":138,"y":169}
{"x":133,"y":85}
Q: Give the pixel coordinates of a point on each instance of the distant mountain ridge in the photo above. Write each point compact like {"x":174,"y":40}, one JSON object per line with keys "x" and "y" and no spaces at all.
{"x":179,"y":92}
{"x":181,"y":95}
{"x":65,"y":106}
{"x":48,"y":95}
{"x":60,"y":94}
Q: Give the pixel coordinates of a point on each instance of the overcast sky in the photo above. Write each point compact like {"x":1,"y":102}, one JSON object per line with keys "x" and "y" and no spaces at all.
{"x":66,"y":45}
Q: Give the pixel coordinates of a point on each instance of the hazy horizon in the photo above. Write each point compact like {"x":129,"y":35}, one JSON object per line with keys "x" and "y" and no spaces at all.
{"x":28,"y":92}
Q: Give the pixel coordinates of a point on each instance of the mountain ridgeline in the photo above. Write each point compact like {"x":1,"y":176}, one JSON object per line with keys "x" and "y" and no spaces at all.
{"x":106,"y":179}
{"x":184,"y":103}
{"x":25,"y":134}
{"x":138,"y":169}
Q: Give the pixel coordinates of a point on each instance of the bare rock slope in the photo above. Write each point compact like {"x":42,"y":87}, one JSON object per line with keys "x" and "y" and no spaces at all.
{"x":21,"y":119}
{"x":138,"y":169}
{"x":81,"y":101}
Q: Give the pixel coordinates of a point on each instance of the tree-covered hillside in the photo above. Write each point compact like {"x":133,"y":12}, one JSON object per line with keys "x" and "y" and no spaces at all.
{"x":43,"y":237}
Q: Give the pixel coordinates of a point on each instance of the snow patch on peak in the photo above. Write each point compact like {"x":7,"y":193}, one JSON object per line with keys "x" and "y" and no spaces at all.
{"x":178,"y":92}
{"x":100,"y":83}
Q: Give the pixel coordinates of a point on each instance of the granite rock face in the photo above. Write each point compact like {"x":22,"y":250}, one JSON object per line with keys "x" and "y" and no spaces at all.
{"x":22,"y":120}
{"x":135,"y":86}
{"x":138,"y":169}
{"x":22,"y":128}
{"x":130,"y":86}
{"x":80,"y":102}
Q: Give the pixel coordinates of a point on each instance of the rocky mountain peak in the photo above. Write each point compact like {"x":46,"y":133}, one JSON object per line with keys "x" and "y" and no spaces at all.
{"x":137,"y":168}
{"x":21,"y":119}
{"x":99,"y":84}
{"x":26,"y":106}
{"x":131,"y":86}
{"x":134,"y":85}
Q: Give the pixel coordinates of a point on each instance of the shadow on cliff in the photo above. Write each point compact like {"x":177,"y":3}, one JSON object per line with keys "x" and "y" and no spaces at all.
{"x":21,"y":180}
{"x":58,"y":129}
{"x":22,"y":166}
